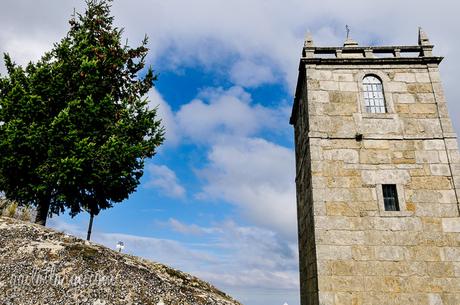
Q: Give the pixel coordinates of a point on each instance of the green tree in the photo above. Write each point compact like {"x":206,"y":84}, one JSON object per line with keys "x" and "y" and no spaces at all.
{"x":75,"y":127}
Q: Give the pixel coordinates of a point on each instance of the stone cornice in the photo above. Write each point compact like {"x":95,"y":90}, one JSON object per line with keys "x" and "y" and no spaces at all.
{"x":372,"y":61}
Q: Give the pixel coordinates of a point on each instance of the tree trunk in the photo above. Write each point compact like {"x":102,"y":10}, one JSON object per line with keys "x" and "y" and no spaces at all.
{"x":90,"y":226}
{"x":42,"y":212}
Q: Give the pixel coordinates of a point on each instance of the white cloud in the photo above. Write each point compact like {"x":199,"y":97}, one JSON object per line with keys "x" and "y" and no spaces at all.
{"x":252,"y":173}
{"x":257,"y":176}
{"x":27,"y":29}
{"x":164,"y":179}
{"x":68,"y":228}
{"x":206,"y":32}
{"x":249,"y":74}
{"x":217,"y":112}
{"x":192,"y":229}
{"x":166,"y":115}
{"x":166,"y":251}
{"x":245,"y":256}
{"x":15,"y":46}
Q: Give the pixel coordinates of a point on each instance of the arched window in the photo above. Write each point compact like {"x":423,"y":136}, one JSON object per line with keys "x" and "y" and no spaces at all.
{"x":373,"y":94}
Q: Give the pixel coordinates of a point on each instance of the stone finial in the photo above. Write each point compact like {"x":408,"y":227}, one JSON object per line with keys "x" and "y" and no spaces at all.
{"x":422,"y":38}
{"x":349,"y":42}
{"x":309,"y":41}
{"x":308,"y":46}
{"x":424,"y":42}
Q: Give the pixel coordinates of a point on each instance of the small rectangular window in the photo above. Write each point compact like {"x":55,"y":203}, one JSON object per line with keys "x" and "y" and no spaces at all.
{"x":390,"y":197}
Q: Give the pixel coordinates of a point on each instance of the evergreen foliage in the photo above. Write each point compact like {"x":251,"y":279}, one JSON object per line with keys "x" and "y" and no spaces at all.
{"x":75,"y":126}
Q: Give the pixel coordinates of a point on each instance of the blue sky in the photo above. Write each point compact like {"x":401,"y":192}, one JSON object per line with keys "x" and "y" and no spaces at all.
{"x":218,"y":200}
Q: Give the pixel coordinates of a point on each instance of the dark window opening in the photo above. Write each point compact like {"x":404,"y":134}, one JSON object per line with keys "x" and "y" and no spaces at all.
{"x":390,"y":197}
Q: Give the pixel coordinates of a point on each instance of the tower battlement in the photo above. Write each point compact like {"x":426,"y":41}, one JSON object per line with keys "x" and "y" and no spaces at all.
{"x":351,"y":49}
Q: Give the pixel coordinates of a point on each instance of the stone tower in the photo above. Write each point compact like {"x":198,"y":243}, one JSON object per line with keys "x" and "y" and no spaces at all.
{"x":377,"y":170}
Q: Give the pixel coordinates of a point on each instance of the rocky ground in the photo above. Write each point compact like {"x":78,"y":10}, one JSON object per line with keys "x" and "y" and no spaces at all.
{"x":40,"y":266}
